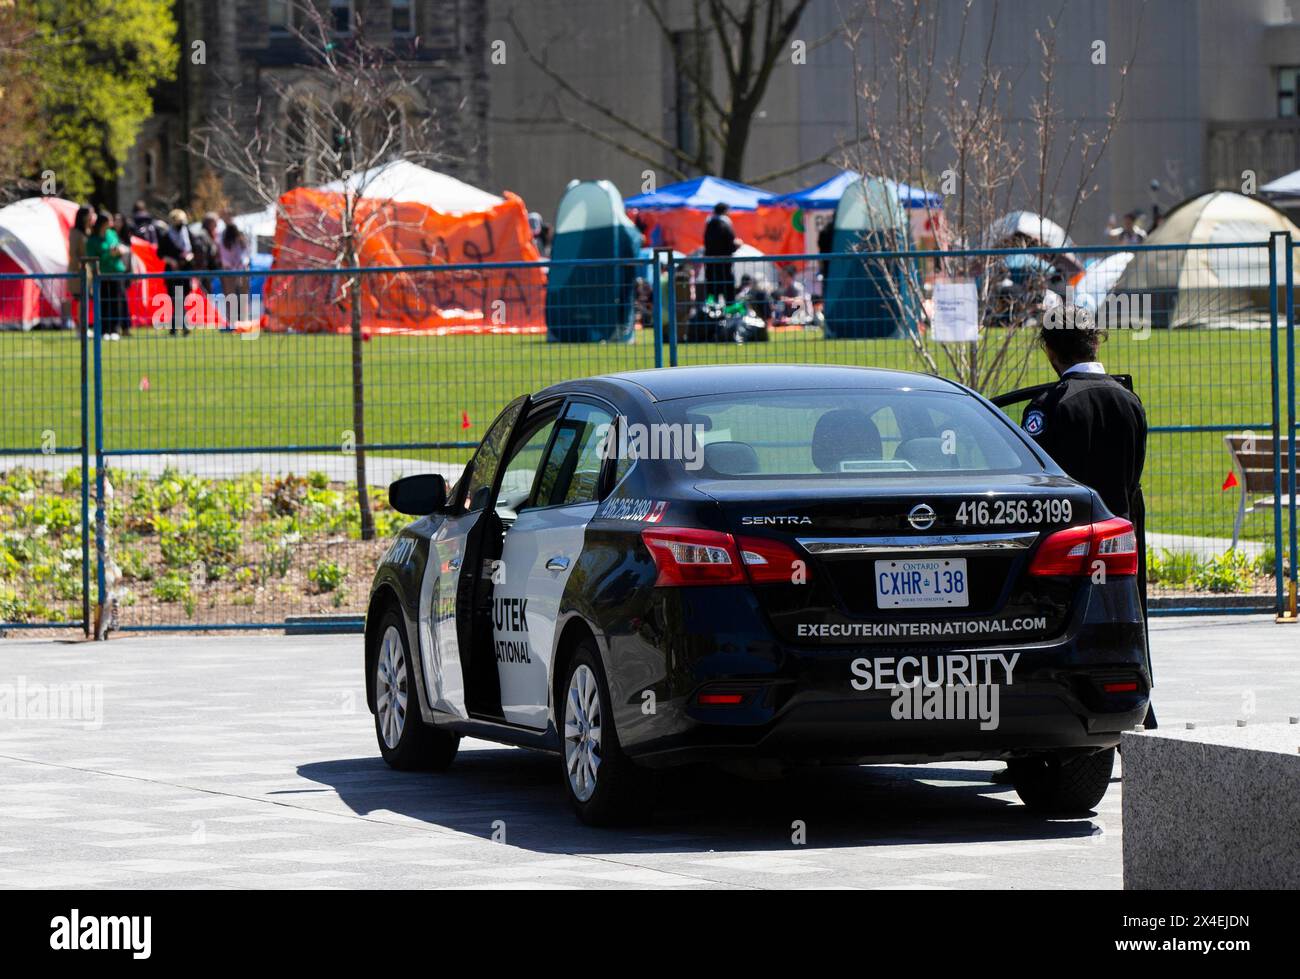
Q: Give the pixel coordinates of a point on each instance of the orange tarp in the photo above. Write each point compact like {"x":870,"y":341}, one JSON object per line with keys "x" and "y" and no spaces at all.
{"x":406,"y":233}
{"x":769,"y":229}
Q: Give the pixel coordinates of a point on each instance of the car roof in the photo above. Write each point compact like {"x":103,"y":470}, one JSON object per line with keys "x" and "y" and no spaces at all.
{"x":669,"y":383}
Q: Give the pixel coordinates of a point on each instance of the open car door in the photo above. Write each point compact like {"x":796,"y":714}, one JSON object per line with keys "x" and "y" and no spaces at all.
{"x":456,"y":681}
{"x":482,"y":552}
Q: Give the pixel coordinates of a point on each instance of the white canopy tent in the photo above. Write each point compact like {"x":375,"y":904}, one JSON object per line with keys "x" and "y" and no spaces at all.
{"x":1283,"y":190}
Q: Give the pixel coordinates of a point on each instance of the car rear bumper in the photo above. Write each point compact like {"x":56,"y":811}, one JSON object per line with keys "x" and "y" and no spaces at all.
{"x":1042,"y":717}
{"x":739,"y":694}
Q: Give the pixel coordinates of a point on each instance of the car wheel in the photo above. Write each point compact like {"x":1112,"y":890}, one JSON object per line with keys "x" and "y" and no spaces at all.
{"x":405,"y":740}
{"x":604,"y":786}
{"x":1066,"y":787}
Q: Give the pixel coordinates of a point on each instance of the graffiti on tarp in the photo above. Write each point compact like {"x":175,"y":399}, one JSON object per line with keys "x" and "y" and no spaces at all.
{"x":406,"y":235}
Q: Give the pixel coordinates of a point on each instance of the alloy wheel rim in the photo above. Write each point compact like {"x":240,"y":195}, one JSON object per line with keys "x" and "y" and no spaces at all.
{"x":582,"y":732}
{"x":390,"y":688}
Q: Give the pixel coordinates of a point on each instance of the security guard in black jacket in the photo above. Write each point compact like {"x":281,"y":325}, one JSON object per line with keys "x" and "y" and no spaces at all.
{"x":1092,"y":425}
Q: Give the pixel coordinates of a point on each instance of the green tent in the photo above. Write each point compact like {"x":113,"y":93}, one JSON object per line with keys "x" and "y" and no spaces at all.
{"x":865,"y":297}
{"x":587,"y":303}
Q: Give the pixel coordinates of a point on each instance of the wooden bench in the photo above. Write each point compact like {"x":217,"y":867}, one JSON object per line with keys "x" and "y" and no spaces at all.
{"x":1252,"y":461}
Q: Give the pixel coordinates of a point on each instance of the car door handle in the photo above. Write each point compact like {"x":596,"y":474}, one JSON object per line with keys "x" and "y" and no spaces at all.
{"x":557,"y":563}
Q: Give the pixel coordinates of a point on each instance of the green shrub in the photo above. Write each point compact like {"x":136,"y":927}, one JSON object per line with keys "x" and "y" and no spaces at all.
{"x":326,"y":576}
{"x":172,"y":587}
{"x":1170,"y":568}
{"x":1228,"y":573}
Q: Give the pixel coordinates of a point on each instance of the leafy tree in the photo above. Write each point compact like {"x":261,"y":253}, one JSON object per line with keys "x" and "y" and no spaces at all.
{"x":93,"y":66}
{"x":19,"y":119}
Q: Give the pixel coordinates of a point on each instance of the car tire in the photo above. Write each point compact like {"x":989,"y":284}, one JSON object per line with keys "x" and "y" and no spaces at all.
{"x":406,"y":742}
{"x":1070,"y":786}
{"x":604,"y":786}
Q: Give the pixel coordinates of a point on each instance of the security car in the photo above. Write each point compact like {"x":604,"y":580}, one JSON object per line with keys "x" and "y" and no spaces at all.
{"x":770,"y":564}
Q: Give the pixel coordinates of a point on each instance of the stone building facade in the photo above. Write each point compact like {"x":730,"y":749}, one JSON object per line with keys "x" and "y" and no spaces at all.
{"x":1214,"y":89}
{"x":246,"y":51}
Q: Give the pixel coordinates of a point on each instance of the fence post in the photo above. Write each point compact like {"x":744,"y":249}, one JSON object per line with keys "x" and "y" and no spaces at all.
{"x":672,"y":310}
{"x":101,"y":588}
{"x":1276,"y":239}
{"x":1290,"y":612}
{"x":83,"y":322}
{"x":657,"y":288}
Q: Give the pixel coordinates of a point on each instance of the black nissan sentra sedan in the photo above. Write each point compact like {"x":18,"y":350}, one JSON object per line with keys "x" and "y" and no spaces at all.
{"x":767,"y":565}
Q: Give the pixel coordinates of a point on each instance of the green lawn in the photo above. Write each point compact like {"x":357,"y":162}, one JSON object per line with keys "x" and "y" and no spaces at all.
{"x":223,"y":390}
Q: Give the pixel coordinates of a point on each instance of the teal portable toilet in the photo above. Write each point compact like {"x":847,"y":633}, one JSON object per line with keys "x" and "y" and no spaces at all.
{"x":591,"y":303}
{"x":860,"y":300}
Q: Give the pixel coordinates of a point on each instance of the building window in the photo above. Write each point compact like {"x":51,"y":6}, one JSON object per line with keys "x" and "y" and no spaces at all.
{"x":150,"y":169}
{"x":341,"y":16}
{"x":1287,"y":102}
{"x":277,"y":16}
{"x":403,"y":22}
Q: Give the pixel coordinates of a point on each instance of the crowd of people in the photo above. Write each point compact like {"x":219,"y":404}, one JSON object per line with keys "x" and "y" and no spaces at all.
{"x":211,"y":246}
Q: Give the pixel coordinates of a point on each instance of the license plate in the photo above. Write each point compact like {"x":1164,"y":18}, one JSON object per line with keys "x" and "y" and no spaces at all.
{"x":922,"y":583}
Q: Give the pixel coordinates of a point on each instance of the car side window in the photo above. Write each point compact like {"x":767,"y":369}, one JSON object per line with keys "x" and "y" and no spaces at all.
{"x":521,"y":468}
{"x":572,"y":473}
{"x":483,"y":470}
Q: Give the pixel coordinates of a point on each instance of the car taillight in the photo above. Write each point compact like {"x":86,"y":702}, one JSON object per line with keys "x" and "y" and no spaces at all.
{"x":1074,"y":550}
{"x":769,"y":560}
{"x":690,"y":556}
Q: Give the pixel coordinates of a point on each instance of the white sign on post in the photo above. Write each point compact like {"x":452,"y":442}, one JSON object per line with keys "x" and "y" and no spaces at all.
{"x":956,"y":317}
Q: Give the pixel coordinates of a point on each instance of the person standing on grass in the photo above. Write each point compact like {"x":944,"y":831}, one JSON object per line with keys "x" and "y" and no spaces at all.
{"x":206,"y":256}
{"x":232,"y":251}
{"x":720,"y":240}
{"x":143,"y":224}
{"x":82,"y":225}
{"x":104,"y":244}
{"x":175,"y":248}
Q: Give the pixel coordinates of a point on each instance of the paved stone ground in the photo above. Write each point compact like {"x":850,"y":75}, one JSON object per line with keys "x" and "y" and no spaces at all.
{"x":250,"y":762}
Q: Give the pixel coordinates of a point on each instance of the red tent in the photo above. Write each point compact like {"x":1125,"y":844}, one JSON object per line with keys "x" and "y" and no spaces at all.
{"x":34,"y":241}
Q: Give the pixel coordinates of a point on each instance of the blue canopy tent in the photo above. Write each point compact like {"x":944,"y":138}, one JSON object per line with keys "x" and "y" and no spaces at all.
{"x":701,"y":193}
{"x":826,"y":195}
{"x":861,"y":301}
{"x":591,"y":303}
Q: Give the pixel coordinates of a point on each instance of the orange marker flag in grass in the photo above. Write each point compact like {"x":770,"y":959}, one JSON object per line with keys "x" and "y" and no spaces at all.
{"x":464,"y":420}
{"x":1231,"y":481}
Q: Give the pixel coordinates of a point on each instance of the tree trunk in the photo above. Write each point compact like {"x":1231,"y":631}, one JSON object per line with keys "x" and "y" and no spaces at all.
{"x":733,"y":153}
{"x":359,"y":402}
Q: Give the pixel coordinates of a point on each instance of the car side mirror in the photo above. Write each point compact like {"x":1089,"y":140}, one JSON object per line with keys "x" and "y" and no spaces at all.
{"x":418,"y":496}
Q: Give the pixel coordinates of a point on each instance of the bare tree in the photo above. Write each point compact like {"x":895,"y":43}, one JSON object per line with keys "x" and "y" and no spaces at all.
{"x":948,"y":124}
{"x":747,"y":38}
{"x":344,"y":117}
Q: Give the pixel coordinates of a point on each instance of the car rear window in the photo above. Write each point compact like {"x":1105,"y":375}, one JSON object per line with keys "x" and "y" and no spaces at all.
{"x":847,"y":433}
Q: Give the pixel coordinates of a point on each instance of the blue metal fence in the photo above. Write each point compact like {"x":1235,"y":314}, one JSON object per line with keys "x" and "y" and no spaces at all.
{"x":228,"y":426}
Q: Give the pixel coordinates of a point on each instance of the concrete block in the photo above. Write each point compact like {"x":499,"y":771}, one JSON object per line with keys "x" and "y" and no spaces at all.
{"x":1213,"y":807}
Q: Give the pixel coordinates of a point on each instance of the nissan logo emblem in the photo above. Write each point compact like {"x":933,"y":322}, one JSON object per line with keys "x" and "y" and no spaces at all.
{"x":921,"y":516}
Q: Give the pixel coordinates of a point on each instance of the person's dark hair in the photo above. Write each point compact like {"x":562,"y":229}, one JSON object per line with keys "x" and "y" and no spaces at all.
{"x":721,"y":207}
{"x":102,"y":220}
{"x":230,"y":237}
{"x":1071,"y":333}
{"x":83,"y":212}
